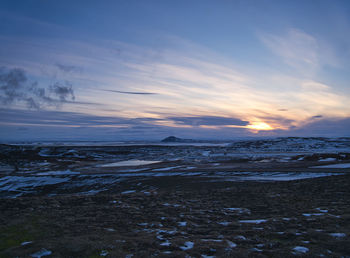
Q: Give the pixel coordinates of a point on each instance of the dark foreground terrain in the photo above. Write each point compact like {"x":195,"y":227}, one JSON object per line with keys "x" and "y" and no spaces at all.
{"x":281,"y":197}
{"x":184,"y":216}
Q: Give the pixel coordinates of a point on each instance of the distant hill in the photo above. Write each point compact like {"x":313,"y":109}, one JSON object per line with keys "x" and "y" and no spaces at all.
{"x":176,"y":139}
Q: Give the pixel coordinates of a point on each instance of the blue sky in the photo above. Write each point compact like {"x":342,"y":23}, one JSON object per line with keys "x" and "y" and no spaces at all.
{"x":125,"y":70}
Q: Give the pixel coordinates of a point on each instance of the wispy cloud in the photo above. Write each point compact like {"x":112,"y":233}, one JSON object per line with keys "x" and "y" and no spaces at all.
{"x":131,"y":92}
{"x":68,"y":68}
{"x":187,"y":82}
{"x":64,"y":118}
{"x":300,"y":50}
{"x":208,"y":120}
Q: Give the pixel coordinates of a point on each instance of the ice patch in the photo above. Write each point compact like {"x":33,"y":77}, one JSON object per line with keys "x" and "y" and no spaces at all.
{"x":224,"y":223}
{"x":182,"y":223}
{"x":104,"y":253}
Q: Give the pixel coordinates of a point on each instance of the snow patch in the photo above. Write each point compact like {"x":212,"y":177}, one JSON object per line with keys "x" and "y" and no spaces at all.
{"x":211,"y":240}
{"x":166,"y":243}
{"x":15,"y":183}
{"x":301,"y":249}
{"x":312,"y":214}
{"x":165,"y":169}
{"x":238,"y":210}
{"x":58,"y":173}
{"x":26,"y":243}
{"x":128,"y":192}
{"x":253,"y":221}
{"x":341,"y":165}
{"x":338,"y":235}
{"x":240,"y":237}
{"x":224,"y":223}
{"x":328,"y":160}
{"x":132,"y":162}
{"x":41,"y":253}
{"x":321,"y":210}
{"x":231,"y":244}
{"x":187,"y":245}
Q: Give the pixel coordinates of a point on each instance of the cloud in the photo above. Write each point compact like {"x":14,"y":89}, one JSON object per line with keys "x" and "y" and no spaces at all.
{"x":11,"y":82}
{"x":300,"y":50}
{"x":132,"y":92}
{"x":328,"y":127}
{"x":63,"y":92}
{"x":186,"y":81}
{"x":49,"y":125}
{"x":321,"y":98}
{"x":277,"y":121}
{"x":44,"y":124}
{"x":68,"y":68}
{"x":60,"y":118}
{"x":15,"y":88}
{"x":208,"y":120}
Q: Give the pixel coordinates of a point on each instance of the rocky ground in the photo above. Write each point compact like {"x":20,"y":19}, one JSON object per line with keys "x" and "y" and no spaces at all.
{"x":184,"y":216}
{"x":239,"y":200}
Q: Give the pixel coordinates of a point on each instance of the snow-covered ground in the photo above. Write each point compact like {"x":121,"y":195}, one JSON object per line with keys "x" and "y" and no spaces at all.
{"x":19,"y":185}
{"x":96,"y":166}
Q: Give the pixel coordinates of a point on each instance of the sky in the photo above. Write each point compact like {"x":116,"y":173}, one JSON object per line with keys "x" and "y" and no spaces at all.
{"x":144,"y":70}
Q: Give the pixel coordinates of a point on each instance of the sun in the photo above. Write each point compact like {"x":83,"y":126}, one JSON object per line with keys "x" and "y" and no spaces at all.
{"x":259,"y":126}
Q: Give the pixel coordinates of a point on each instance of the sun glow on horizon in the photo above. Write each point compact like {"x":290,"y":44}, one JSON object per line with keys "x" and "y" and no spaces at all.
{"x":260,"y":126}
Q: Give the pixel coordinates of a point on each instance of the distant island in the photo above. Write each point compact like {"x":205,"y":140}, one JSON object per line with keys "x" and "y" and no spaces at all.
{"x":176,"y":139}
